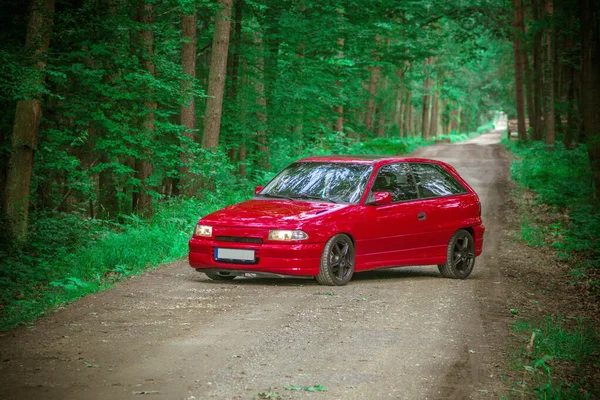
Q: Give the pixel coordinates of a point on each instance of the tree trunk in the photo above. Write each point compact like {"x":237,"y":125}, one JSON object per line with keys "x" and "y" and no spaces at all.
{"x":381,"y":124}
{"x":425,"y":109}
{"x":409,"y":119}
{"x":398,"y":108}
{"x":216,"y":77}
{"x":27,"y":121}
{"x":538,"y":124}
{"x":243,"y":117}
{"x":261,"y":107}
{"x":529,"y":90}
{"x":142,"y":201}
{"x":433,"y":122}
{"x":518,"y":49}
{"x":549,"y":117}
{"x":590,"y":48}
{"x":568,"y":128}
{"x":188,"y":109}
{"x":374,"y":71}
{"x":382,"y":109}
{"x":339,"y":110}
{"x":232,"y":79}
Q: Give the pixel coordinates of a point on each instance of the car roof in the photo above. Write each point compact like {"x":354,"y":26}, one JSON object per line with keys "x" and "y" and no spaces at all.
{"x":366,"y":159}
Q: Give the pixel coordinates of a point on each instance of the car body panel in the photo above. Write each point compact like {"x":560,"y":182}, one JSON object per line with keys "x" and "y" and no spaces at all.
{"x":385,"y":235}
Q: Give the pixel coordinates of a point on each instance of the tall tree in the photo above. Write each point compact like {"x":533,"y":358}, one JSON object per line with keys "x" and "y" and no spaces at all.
{"x":549,"y":116}
{"x":372,"y":89}
{"x":188,"y":108}
{"x":339,"y":109}
{"x":590,"y":48}
{"x":216,"y":77}
{"x":261,"y":106}
{"x":28,"y":114}
{"x":426,"y":100}
{"x":518,"y":50}
{"x":142,"y":200}
{"x":538,"y":124}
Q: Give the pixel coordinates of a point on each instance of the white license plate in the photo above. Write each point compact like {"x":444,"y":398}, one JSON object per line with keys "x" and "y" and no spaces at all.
{"x":234,"y":254}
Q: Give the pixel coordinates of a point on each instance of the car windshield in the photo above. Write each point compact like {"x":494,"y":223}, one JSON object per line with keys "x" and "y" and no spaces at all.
{"x":332,"y":182}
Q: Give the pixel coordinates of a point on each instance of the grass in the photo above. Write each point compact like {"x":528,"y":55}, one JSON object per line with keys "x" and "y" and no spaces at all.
{"x":68,"y":256}
{"x":558,"y":344}
{"x":562,"y":353}
{"x":562,"y":182}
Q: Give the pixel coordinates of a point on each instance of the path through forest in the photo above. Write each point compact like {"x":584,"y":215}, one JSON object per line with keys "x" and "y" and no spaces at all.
{"x":402,"y":333}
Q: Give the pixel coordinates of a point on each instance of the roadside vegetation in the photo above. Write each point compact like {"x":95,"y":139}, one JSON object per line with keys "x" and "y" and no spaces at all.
{"x":560,"y":353}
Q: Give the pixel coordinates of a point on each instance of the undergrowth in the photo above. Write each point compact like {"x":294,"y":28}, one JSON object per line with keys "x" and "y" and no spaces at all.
{"x":558,"y":211}
{"x":562,"y":182}
{"x":559,"y":344}
{"x":68,"y":256}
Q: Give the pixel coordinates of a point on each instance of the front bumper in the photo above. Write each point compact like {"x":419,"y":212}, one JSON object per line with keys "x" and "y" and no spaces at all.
{"x":275,"y":258}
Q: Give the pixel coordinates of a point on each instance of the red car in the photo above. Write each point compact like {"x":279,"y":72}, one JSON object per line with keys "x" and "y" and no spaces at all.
{"x":332,"y":216}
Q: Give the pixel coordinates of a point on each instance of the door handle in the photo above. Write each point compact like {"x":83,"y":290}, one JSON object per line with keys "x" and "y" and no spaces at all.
{"x":421,"y":216}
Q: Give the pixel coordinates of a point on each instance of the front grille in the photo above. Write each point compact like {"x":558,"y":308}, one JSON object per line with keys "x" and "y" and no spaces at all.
{"x":238,"y":239}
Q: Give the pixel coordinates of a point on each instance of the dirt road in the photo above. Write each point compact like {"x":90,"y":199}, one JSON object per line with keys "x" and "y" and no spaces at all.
{"x":172,"y":334}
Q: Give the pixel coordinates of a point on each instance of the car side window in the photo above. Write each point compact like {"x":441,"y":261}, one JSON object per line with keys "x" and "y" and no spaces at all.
{"x":396,"y":179}
{"x":434,"y":181}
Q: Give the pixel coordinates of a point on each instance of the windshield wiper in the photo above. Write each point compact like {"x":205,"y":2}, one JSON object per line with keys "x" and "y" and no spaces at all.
{"x":276,"y":196}
{"x":311,"y":197}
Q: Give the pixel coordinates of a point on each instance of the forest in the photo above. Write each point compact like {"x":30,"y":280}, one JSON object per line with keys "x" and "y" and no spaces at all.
{"x":123,"y":121}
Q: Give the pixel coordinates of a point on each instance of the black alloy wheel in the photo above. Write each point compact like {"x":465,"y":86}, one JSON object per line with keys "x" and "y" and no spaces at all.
{"x":337,"y":261}
{"x":460,"y":256}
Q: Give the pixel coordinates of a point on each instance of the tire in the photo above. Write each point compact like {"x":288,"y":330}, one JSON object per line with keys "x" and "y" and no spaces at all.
{"x":337,"y":261}
{"x":218,"y":275}
{"x":460,"y":256}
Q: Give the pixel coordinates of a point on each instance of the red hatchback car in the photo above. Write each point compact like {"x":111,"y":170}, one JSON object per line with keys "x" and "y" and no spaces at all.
{"x":332,"y":216}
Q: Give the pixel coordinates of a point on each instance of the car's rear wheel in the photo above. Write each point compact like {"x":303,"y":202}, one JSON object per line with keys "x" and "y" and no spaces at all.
{"x":460,"y":256}
{"x":337,"y":261}
{"x":219,"y":275}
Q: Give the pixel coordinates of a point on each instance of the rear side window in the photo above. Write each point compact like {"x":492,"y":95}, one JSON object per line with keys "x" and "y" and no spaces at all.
{"x":396,"y":179}
{"x":434,"y":181}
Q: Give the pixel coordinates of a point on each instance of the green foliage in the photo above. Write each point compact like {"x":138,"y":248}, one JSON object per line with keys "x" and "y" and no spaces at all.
{"x":558,"y":340}
{"x":562,"y":179}
{"x":68,"y":257}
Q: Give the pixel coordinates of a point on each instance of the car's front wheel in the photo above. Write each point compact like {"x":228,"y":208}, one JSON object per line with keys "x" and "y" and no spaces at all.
{"x":219,"y":275}
{"x":460,"y":256}
{"x":337,"y":261}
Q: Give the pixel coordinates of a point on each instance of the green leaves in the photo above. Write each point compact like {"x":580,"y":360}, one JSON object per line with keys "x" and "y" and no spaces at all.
{"x":315,"y":388}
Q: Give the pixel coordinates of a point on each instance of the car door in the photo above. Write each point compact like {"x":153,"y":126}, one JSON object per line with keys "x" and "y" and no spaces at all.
{"x":390,"y":234}
{"x":440,"y":195}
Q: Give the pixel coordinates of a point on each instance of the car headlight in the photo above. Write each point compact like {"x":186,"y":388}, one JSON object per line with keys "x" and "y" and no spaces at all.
{"x":203,"y":230}
{"x":287,"y":235}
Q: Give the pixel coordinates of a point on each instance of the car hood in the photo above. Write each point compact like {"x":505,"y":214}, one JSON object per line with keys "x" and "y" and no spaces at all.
{"x":270,"y":213}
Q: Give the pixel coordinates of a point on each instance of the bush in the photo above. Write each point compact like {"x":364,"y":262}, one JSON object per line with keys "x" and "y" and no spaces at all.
{"x":562,"y":179}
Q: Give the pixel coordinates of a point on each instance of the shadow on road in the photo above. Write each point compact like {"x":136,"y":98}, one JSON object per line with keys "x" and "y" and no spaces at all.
{"x":413,"y":273}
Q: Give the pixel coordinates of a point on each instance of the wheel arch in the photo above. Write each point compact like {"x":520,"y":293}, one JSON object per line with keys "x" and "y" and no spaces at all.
{"x":349,"y":235}
{"x":472,"y":232}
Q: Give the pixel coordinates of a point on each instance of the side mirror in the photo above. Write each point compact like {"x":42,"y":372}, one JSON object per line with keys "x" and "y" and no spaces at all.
{"x":382,"y":197}
{"x":258,"y":189}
